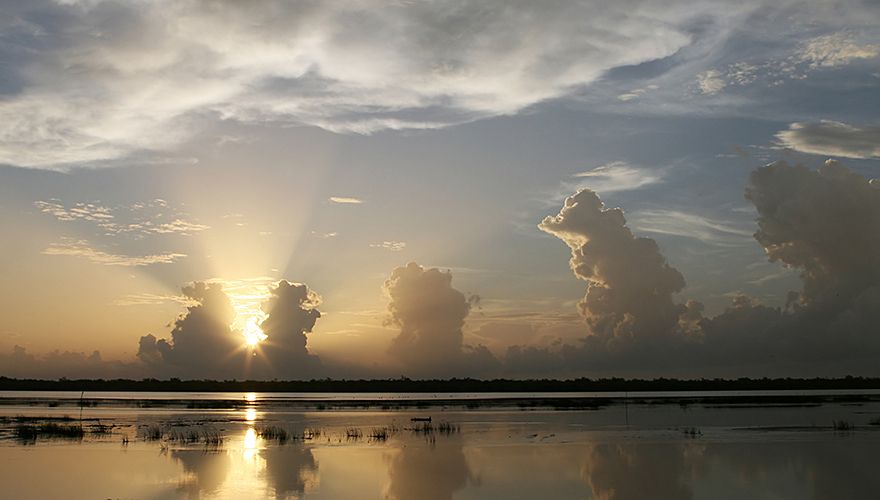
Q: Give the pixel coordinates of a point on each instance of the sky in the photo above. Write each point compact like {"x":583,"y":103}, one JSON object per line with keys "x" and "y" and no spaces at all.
{"x":439,"y":188}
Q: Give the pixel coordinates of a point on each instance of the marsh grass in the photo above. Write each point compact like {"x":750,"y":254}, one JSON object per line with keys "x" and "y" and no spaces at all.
{"x":353,"y":433}
{"x":692,"y":432}
{"x":842,"y":426}
{"x":274,"y":433}
{"x":32,"y":432}
{"x":874,"y":421}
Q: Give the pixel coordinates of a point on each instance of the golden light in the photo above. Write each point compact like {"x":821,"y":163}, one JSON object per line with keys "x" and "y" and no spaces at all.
{"x":253,"y":335}
{"x":250,"y":415}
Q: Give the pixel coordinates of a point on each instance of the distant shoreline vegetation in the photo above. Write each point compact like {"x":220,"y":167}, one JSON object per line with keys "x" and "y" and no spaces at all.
{"x":454,"y":385}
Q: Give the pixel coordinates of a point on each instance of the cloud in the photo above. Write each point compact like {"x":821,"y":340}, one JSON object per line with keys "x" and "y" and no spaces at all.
{"x":202,"y":343}
{"x":710,"y":82}
{"x":636,"y":93}
{"x":431,"y":316}
{"x":291,"y":313}
{"x":619,"y":176}
{"x":143,"y":218}
{"x":208,"y":341}
{"x":821,"y":223}
{"x":629,"y":299}
{"x":145,"y":75}
{"x":394,"y":246}
{"x":56,"y":364}
{"x":345,"y":201}
{"x":81,"y":248}
{"x":689,"y":225}
{"x":834,"y":50}
{"x":84,"y":211}
{"x":832,"y":138}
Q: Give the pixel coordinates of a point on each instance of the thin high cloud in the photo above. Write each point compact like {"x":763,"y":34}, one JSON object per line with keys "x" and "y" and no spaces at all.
{"x":830,"y":138}
{"x":138,"y":219}
{"x":618,"y":176}
{"x":345,"y":200}
{"x":81,"y":248}
{"x":689,"y":225}
{"x":151,"y":76}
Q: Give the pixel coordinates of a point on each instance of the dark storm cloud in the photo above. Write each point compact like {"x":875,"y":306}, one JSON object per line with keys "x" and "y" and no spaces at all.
{"x":830,"y":138}
{"x":431,"y":316}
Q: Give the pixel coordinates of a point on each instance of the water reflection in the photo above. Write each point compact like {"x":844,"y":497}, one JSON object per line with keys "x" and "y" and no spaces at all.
{"x":430,"y":471}
{"x":630,"y":472}
{"x":205,"y":470}
{"x":514,"y":455}
{"x":291,"y":470}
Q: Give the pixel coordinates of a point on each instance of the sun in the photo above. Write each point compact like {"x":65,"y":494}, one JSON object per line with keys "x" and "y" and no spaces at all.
{"x":253,"y":335}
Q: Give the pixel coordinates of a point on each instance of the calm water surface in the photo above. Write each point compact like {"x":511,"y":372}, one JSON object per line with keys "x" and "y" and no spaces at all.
{"x":642,"y":449}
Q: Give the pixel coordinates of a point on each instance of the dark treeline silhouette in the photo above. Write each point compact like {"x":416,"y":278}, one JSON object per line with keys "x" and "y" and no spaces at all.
{"x":404,"y":384}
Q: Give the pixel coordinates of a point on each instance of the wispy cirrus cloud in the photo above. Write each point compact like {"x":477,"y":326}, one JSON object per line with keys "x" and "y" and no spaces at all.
{"x":343,"y":200}
{"x":82,"y":248}
{"x":394,"y":246}
{"x":830,"y":138}
{"x":141,"y":218}
{"x":617,"y":176}
{"x":690,"y":225}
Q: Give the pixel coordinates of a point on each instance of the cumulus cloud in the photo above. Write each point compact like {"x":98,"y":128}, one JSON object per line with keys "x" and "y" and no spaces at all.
{"x":629,"y":299}
{"x":205,"y":343}
{"x":832,"y":138}
{"x":431,"y":316}
{"x":202,"y":342}
{"x":81,"y":248}
{"x":145,"y":74}
{"x":822,"y":223}
{"x":291,"y":311}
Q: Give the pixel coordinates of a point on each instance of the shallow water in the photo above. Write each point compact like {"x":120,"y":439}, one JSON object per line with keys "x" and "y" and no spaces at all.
{"x":637,"y":450}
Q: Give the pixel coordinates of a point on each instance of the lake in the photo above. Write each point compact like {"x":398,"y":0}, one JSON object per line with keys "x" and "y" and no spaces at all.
{"x":799,"y":445}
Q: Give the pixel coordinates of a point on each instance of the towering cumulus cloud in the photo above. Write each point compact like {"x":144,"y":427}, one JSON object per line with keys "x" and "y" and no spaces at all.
{"x":825,"y":223}
{"x":629,"y":298}
{"x":292,"y":312}
{"x":203,"y":343}
{"x":431,"y":315}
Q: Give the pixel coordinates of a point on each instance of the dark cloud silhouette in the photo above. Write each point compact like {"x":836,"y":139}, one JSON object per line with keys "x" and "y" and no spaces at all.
{"x":431,"y":316}
{"x":203,"y":343}
{"x":292,"y":312}
{"x":56,"y":364}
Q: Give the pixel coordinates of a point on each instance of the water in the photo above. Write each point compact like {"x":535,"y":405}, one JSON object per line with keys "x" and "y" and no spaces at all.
{"x":726,"y":447}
